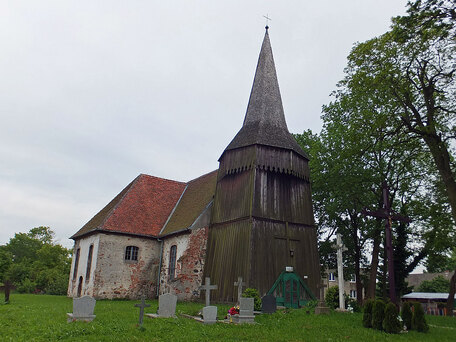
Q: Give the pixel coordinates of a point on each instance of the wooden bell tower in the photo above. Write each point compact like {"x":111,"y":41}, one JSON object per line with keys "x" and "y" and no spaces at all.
{"x":262,"y":217}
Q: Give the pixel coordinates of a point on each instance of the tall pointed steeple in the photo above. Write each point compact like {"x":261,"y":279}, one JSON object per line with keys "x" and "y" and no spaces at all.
{"x":262,"y":218}
{"x":264,"y":122}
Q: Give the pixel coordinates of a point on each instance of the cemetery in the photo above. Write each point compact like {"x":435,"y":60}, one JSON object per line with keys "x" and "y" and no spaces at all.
{"x":43,"y":318}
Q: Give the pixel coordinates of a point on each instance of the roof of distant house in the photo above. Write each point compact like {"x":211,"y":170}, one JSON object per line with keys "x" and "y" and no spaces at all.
{"x":426,"y":295}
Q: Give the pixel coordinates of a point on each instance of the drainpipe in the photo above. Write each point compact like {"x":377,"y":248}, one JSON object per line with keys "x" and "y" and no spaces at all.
{"x":159,"y":267}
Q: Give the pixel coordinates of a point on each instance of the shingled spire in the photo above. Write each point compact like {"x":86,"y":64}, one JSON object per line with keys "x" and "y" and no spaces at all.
{"x":264,"y":122}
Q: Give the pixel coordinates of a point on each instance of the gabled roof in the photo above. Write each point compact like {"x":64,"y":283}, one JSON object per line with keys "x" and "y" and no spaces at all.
{"x":197,"y":196}
{"x":264,"y":122}
{"x":142,"y":208}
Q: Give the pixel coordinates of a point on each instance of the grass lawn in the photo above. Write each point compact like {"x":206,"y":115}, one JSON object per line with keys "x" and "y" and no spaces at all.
{"x":43,"y":318}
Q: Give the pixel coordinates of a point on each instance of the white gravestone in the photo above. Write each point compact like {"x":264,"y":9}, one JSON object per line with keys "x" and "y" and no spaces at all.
{"x":210,"y":314}
{"x":245,"y":311}
{"x":167,"y":305}
{"x":82,"y":309}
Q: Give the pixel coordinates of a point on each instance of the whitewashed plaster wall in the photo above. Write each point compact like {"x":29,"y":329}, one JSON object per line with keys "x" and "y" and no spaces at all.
{"x":83,"y":245}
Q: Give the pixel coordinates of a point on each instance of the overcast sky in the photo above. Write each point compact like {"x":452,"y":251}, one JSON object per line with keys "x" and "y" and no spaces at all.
{"x":93,"y":93}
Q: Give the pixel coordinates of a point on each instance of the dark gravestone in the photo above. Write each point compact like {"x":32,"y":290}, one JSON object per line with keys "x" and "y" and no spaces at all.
{"x":7,"y":290}
{"x":268,"y":304}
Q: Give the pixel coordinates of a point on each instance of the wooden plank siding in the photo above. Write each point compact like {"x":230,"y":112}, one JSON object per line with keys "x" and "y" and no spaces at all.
{"x":270,"y":254}
{"x":262,"y":210}
{"x":228,"y":256}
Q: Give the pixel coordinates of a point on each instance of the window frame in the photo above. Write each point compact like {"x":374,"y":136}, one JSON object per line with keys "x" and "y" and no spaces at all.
{"x":172,"y":262}
{"x":89,"y":263}
{"x":131,"y":254}
{"x":331,"y":276}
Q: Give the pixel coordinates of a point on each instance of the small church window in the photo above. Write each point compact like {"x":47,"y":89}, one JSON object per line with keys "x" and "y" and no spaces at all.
{"x":131,"y":253}
{"x":76,"y":263}
{"x":89,"y":263}
{"x":172,"y":262}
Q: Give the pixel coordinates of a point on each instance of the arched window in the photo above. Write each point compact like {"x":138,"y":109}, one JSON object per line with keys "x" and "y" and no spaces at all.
{"x":76,"y":264}
{"x":172,"y":262}
{"x":89,"y":263}
{"x":131,"y":253}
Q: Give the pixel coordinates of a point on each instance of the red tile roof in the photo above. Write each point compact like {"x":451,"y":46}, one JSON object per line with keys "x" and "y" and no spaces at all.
{"x":142,"y":208}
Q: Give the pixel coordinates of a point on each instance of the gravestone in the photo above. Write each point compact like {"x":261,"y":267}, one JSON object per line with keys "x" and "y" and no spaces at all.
{"x":268,"y":304}
{"x":208,"y":287}
{"x":245,"y":311}
{"x":322,"y":309}
{"x":141,"y":309}
{"x":210,"y":314}
{"x":7,"y":290}
{"x":82,"y":309}
{"x":239,"y":285}
{"x":167,"y":305}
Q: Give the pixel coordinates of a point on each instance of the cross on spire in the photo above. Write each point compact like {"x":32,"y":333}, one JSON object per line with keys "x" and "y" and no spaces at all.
{"x":208,"y":287}
{"x":267,"y":20}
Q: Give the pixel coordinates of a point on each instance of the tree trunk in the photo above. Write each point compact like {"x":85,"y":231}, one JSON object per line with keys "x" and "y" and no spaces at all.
{"x":442,"y":160}
{"x":450,"y":301}
{"x":374,"y":264}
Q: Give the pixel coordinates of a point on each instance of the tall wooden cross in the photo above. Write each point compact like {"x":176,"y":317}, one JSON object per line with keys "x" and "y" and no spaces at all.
{"x":141,"y":309}
{"x":288,"y":239}
{"x":239,"y":285}
{"x":208,"y":287}
{"x":387,"y":213}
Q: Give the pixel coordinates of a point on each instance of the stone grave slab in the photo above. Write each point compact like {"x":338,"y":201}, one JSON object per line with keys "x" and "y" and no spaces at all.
{"x":245,"y":311}
{"x":210,"y":314}
{"x":166,"y":306}
{"x":82,"y":309}
{"x":268,"y":304}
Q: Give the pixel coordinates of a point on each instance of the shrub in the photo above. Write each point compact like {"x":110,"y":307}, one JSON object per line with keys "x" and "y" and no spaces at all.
{"x":418,"y":319}
{"x":391,"y":323}
{"x":406,"y":315}
{"x":332,"y":297}
{"x":253,"y":293}
{"x":378,"y":314}
{"x":367,"y":313}
{"x":26,"y":286}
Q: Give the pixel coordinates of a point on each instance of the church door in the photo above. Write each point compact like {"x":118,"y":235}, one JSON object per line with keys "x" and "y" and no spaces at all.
{"x":291,"y":291}
{"x":80,"y":287}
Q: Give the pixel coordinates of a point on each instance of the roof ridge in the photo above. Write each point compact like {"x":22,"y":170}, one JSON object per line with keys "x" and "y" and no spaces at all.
{"x":206,"y":174}
{"x":172,"y":211}
{"x":166,"y":179}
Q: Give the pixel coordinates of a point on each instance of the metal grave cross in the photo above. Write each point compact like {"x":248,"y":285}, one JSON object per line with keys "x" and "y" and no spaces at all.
{"x":141,"y":309}
{"x":388,"y":214}
{"x":239,"y":285}
{"x":208,"y":287}
{"x":288,"y":239}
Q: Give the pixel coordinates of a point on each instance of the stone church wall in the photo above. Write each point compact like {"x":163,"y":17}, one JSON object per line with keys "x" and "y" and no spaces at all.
{"x":87,"y":281}
{"x":190,"y":257}
{"x":112,"y":275}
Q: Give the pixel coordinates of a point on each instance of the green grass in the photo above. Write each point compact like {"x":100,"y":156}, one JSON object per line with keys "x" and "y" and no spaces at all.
{"x":43,"y":318}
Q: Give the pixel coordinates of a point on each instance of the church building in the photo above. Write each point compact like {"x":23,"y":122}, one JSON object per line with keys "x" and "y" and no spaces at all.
{"x":251,"y":218}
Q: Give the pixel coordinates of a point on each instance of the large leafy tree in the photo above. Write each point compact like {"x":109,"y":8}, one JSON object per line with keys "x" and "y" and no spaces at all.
{"x":413,"y":66}
{"x":33,"y":262}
